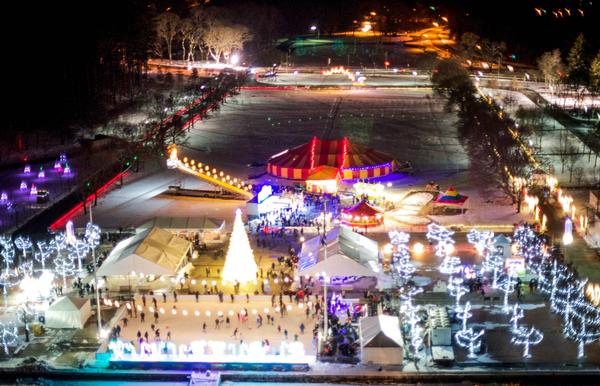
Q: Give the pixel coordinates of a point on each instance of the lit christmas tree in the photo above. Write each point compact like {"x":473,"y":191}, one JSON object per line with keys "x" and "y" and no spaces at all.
{"x":240,"y":265}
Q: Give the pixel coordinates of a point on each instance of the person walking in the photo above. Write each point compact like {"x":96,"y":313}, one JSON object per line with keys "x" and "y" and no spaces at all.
{"x":285,"y":333}
{"x":227,"y":322}
{"x":144,"y":300}
{"x":142,"y":316}
{"x":164,"y":295}
{"x":155,"y":316}
{"x":204,"y":327}
{"x":302,"y":328}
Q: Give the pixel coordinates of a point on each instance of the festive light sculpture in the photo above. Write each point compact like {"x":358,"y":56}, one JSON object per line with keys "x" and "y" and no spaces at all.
{"x":64,"y":267}
{"x":470,"y":340}
{"x":481,"y":240}
{"x":456,"y":289}
{"x":527,"y":337}
{"x":401,"y":254}
{"x":493,"y":262}
{"x":3,"y":197}
{"x":240,"y":265}
{"x":27,"y":169}
{"x":33,"y":191}
{"x":43,"y":253}
{"x":450,"y":265}
{"x":8,"y":336}
{"x":8,"y":251}
{"x":24,"y":244}
{"x":507,"y":285}
{"x":41,"y":173}
{"x":77,"y":251}
{"x":464,"y":313}
{"x":516,"y":315}
{"x":67,"y":169}
{"x":443,"y":236}
{"x":23,"y":186}
{"x":58,"y":243}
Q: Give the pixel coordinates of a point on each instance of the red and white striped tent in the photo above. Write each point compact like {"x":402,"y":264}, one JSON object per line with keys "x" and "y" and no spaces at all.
{"x":354,"y":161}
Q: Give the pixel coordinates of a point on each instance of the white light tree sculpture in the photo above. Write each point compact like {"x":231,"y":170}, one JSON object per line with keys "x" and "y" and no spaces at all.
{"x":464,"y":313}
{"x":456,"y":289}
{"x":517,"y":314}
{"x":240,"y":265}
{"x":443,"y":237}
{"x":507,"y":285}
{"x":77,"y":251}
{"x":401,"y":254}
{"x":8,"y":336}
{"x":24,"y":244}
{"x":64,"y":266}
{"x":44,"y":251}
{"x":470,"y":340}
{"x":527,"y":337}
{"x":450,"y":265}
{"x":493,"y":262}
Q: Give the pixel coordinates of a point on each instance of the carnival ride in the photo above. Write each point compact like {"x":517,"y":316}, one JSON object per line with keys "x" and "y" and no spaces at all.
{"x":208,"y":174}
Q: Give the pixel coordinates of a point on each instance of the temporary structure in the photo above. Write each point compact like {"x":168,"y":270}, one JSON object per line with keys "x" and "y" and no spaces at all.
{"x":353,"y":160}
{"x":348,"y":254}
{"x":450,"y":197}
{"x":381,"y":340}
{"x":208,"y":229}
{"x":323,"y":179}
{"x":153,"y":251}
{"x":362,"y":215}
{"x":68,"y":312}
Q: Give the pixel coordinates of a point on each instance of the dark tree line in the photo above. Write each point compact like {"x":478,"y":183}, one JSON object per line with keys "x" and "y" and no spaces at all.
{"x":495,"y":152}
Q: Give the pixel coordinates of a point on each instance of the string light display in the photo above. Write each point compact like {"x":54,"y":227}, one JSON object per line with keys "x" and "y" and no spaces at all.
{"x":240,"y":265}
{"x":527,"y":337}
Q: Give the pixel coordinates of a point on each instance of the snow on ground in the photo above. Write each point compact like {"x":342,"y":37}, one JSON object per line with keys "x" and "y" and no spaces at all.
{"x":483,"y":210}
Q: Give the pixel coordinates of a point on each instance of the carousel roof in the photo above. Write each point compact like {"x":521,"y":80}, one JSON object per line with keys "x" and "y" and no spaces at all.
{"x":362,"y":209}
{"x":298,"y":162}
{"x":451,"y":197}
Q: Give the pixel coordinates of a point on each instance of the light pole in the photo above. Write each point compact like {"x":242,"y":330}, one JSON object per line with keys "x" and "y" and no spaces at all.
{"x":326,"y":310}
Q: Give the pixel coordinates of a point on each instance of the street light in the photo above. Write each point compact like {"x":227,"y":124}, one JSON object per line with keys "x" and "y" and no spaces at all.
{"x":234,"y":60}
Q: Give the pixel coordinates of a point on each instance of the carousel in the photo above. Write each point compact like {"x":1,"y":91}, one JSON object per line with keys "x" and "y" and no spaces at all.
{"x":353,"y":161}
{"x":362,"y":215}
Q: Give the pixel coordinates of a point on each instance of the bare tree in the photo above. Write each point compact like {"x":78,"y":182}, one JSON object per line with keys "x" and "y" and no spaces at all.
{"x":550,"y":64}
{"x":167,"y":27}
{"x":221,"y":40}
{"x":572,"y":157}
{"x":467,"y":45}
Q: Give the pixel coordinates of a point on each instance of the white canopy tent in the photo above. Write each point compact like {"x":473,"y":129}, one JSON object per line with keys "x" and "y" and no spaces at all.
{"x":153,"y":251}
{"x":68,"y":312}
{"x":209,"y":230}
{"x":348,"y":254}
{"x":381,"y":340}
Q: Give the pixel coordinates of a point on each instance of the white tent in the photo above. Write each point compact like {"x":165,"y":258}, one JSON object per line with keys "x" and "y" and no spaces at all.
{"x":68,"y":312}
{"x":153,"y":251}
{"x":381,"y":340}
{"x":208,"y":229}
{"x":348,"y":254}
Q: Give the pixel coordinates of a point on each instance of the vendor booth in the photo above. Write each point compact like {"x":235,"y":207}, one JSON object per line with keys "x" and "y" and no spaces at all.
{"x":362,"y":215}
{"x":381,"y":340}
{"x":449,"y":202}
{"x":148,"y":254}
{"x":68,"y":312}
{"x":345,"y":256}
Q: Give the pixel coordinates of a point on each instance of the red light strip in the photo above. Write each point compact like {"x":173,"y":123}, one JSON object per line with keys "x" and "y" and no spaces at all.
{"x":62,"y":220}
{"x":313,"y":145}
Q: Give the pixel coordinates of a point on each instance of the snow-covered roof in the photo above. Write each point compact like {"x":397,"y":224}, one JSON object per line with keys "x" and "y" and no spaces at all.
{"x":199,"y":223}
{"x":68,"y":303}
{"x":380,"y":331}
{"x":348,"y":254}
{"x":153,"y":251}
